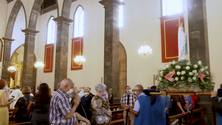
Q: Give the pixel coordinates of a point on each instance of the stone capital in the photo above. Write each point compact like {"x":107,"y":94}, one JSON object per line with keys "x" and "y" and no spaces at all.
{"x":30,"y":31}
{"x":63,"y":19}
{"x":8,"y":1}
{"x":111,"y":2}
{"x":8,"y":39}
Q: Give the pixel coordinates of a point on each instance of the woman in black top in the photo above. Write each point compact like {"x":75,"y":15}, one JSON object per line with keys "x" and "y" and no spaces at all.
{"x":21,"y":113}
{"x":39,"y":106}
{"x":110,"y":95}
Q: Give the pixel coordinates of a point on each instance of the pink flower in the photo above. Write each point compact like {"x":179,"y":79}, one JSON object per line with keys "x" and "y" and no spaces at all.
{"x":169,"y":76}
{"x":201,"y":76}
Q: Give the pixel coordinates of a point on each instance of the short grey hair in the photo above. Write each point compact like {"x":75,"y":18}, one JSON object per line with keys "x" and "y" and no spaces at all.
{"x":139,"y":87}
{"x":100,"y":87}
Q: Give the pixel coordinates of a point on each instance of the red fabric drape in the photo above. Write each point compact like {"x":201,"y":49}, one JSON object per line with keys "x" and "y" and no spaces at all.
{"x":48,"y":58}
{"x":77,"y":47}
{"x":169,"y":36}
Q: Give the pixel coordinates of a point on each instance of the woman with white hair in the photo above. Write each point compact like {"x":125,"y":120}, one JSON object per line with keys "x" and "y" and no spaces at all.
{"x":100,"y":108}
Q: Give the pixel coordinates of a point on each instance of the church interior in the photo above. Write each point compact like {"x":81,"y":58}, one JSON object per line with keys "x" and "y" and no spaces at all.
{"x":115,"y":42}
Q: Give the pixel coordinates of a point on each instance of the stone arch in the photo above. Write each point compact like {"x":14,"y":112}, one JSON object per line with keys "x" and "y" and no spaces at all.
{"x":122,"y":69}
{"x":12,"y":18}
{"x":8,"y":37}
{"x":66,"y":8}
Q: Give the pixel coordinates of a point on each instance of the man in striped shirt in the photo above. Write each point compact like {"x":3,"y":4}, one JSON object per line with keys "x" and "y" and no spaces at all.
{"x":61,"y":112}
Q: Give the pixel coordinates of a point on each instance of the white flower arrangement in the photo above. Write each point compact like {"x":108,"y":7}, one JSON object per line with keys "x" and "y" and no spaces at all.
{"x":190,"y":73}
{"x":187,"y":68}
{"x":184,"y":73}
{"x":195,"y":66}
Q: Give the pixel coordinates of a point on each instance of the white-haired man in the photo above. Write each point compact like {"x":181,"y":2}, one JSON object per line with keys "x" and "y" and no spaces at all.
{"x":61,"y":111}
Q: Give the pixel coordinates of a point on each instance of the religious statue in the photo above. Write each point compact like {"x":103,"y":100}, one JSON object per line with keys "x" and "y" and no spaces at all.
{"x":182,"y":43}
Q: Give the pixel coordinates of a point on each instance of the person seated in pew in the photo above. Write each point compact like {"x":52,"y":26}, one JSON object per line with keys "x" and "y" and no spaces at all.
{"x":128,"y":99}
{"x":110,"y":95}
{"x":217,"y":104}
{"x":21,"y":112}
{"x":16,"y":94}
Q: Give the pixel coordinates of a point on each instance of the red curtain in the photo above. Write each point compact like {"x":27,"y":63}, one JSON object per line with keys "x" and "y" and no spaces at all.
{"x":169,"y":36}
{"x":77,"y":48}
{"x":48,"y":58}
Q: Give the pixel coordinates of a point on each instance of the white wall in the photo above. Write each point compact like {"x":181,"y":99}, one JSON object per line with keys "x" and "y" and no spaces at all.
{"x":135,"y":31}
{"x":17,"y":34}
{"x":214,"y":20}
{"x":93,"y":44}
{"x":3,"y":9}
{"x":40,"y":48}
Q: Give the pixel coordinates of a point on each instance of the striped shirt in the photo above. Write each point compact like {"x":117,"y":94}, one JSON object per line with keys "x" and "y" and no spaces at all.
{"x":59,"y":107}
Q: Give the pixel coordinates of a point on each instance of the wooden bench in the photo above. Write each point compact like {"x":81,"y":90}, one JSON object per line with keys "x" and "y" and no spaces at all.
{"x":192,"y":120}
{"x":119,"y":121}
{"x":23,"y":123}
{"x":179,"y":116}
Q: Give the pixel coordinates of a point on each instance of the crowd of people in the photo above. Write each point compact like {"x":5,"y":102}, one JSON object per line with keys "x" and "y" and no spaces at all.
{"x":69,"y":105}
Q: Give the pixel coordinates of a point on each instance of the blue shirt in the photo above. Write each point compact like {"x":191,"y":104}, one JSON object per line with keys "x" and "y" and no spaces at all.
{"x":166,"y":103}
{"x":137,"y":104}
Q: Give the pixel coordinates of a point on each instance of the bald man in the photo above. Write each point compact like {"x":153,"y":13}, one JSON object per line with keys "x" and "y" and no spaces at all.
{"x":61,"y":111}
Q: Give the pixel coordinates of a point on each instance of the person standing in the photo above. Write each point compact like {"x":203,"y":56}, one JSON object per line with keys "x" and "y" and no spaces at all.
{"x":39,"y":106}
{"x":110,"y":95}
{"x":21,"y":107}
{"x":100,"y":108}
{"x":16,"y":94}
{"x":60,"y":111}
{"x":167,"y":104}
{"x":4,"y":114}
{"x":7,"y":89}
{"x":128,"y":99}
{"x":142,"y":108}
{"x":217,"y":104}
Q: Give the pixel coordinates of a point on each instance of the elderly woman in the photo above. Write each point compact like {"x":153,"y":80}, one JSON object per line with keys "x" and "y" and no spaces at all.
{"x":80,"y":113}
{"x":21,"y":107}
{"x":100,"y":108}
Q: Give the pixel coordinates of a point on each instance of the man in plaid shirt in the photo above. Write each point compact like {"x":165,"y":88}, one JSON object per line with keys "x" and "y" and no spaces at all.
{"x":128,"y":99}
{"x":61,"y":112}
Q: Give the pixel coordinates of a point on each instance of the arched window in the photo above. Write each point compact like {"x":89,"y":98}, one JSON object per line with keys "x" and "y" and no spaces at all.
{"x":170,"y":7}
{"x":79,"y":22}
{"x":121,"y":15}
{"x":51,"y":31}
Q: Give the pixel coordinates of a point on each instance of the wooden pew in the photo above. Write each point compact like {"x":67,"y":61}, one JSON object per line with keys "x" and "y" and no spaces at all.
{"x":178,"y":116}
{"x":23,"y":123}
{"x":192,"y":120}
{"x":117,"y":117}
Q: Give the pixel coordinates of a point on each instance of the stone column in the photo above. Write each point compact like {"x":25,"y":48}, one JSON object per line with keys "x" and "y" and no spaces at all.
{"x":199,"y":47}
{"x":198,"y":33}
{"x":111,"y":46}
{"x":28,"y":75}
{"x":61,"y":49}
{"x":6,"y":58}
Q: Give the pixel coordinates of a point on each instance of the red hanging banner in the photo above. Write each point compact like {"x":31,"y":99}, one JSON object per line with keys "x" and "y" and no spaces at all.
{"x":169,"y":36}
{"x":77,"y":48}
{"x":48,"y":58}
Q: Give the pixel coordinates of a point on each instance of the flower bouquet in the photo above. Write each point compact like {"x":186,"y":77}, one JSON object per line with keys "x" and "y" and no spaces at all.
{"x":185,"y":75}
